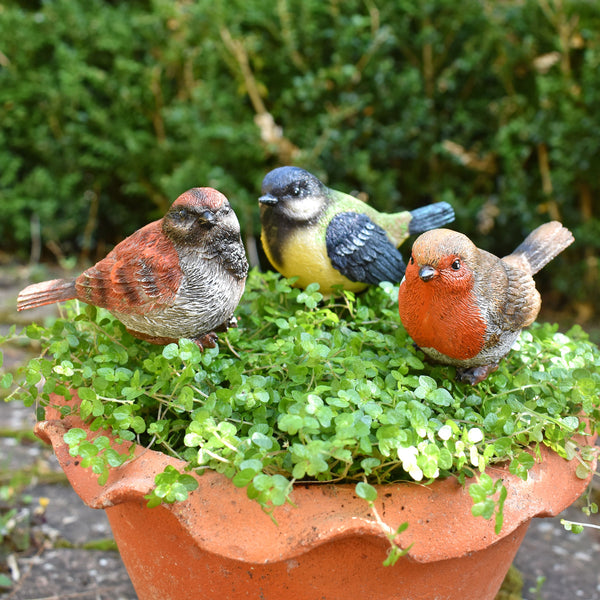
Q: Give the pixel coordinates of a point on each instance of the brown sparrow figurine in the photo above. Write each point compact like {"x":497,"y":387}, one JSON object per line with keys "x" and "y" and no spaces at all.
{"x":180,"y":276}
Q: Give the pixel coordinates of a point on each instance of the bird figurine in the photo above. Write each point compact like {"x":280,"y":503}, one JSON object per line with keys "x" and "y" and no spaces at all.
{"x":180,"y":276}
{"x":464,"y":306}
{"x":322,"y":235}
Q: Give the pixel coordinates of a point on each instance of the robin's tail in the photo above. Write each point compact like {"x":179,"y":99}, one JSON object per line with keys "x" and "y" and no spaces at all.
{"x":429,"y":217}
{"x":543,"y":244}
{"x":47,"y":292}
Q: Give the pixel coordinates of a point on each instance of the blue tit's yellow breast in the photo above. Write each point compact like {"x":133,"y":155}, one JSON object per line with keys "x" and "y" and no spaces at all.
{"x":304,"y":255}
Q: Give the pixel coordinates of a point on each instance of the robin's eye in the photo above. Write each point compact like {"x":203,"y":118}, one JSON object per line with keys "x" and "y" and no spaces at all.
{"x":456,"y":265}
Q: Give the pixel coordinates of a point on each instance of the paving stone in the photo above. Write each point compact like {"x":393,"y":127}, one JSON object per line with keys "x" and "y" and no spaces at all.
{"x":569,"y":562}
{"x":69,"y":516}
{"x":61,"y":574}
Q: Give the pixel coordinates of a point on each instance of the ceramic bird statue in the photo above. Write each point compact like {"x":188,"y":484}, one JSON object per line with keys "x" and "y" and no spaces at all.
{"x":180,"y":276}
{"x":464,"y":306}
{"x":319,"y":234}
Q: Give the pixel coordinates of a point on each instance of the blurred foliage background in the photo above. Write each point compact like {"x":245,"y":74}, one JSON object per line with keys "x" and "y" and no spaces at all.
{"x":109,"y":110}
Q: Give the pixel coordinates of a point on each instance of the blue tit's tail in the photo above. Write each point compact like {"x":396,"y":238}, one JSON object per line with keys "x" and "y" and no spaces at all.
{"x":429,"y":217}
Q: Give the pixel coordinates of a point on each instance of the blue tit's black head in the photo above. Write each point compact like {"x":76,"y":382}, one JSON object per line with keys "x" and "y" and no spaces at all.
{"x":290,"y":185}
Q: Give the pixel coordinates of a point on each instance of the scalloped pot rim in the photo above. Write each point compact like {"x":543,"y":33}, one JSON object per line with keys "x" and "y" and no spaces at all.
{"x":222,"y":520}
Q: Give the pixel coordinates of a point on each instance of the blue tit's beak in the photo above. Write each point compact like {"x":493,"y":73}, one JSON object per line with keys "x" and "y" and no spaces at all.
{"x":268,"y":199}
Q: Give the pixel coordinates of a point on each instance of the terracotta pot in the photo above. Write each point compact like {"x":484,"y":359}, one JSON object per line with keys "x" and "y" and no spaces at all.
{"x":220,"y":545}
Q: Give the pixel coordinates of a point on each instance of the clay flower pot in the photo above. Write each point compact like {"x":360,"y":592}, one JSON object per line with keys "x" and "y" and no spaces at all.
{"x":220,"y":545}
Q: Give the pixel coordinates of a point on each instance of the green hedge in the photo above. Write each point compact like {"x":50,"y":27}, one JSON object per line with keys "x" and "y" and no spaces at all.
{"x":109,"y":110}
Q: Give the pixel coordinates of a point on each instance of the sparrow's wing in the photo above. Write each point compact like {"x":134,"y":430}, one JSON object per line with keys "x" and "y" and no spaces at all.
{"x":140,"y":275}
{"x":361,"y":250}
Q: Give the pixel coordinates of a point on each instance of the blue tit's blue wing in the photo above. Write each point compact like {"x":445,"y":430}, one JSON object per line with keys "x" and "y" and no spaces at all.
{"x":361,"y":250}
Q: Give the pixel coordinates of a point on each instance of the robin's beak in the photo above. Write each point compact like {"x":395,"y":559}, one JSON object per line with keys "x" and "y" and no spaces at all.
{"x":427,"y":273}
{"x":268,"y":199}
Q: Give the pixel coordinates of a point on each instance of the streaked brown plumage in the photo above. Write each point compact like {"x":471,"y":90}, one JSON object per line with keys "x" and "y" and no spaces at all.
{"x":180,"y":276}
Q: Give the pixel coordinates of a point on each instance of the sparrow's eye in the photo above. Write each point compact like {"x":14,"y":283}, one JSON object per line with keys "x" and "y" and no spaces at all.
{"x":456,"y":265}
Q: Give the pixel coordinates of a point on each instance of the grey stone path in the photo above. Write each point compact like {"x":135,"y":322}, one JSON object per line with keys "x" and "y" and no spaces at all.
{"x":62,"y":568}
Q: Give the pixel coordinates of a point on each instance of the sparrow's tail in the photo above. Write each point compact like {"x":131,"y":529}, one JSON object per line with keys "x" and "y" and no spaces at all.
{"x":46,"y":292}
{"x":429,"y":217}
{"x":543,"y":244}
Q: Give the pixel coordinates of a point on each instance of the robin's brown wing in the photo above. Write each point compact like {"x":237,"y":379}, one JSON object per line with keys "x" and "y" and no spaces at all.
{"x":523,"y":301}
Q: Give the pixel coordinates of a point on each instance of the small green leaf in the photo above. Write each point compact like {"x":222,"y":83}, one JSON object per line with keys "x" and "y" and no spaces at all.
{"x":366,"y":491}
{"x":261,"y":440}
{"x":290,"y":423}
{"x":86,"y":393}
{"x":571,"y":422}
{"x":170,"y":351}
{"x":572,"y":527}
{"x":582,"y":471}
{"x":113,"y":458}
{"x":368,"y":464}
{"x":243,"y":477}
{"x":521,"y":464}
{"x":33,"y":332}
{"x":440,"y":396}
{"x":74,"y":436}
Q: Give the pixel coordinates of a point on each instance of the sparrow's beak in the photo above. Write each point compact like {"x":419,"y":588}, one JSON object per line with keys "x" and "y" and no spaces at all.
{"x":427,"y":273}
{"x":207,"y":216}
{"x":268,"y":199}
